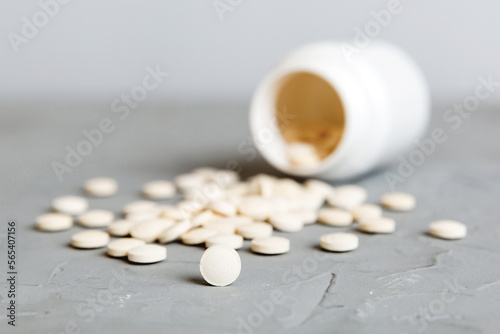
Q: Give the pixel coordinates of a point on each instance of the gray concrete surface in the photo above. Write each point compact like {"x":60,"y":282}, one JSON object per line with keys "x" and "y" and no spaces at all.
{"x":406,"y":282}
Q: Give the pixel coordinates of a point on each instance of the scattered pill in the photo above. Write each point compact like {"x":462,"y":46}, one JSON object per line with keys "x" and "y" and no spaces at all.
{"x":101,"y":187}
{"x":190,"y":181}
{"x":335,"y":217}
{"x":138,"y":217}
{"x":234,"y":241}
{"x":270,"y":245}
{"x":286,"y":222}
{"x":377,"y":225}
{"x":302,"y":154}
{"x":174,"y":232}
{"x":96,"y":218}
{"x":320,"y":187}
{"x":448,"y":229}
{"x":255,"y":230}
{"x":203,"y":218}
{"x":256,"y":207}
{"x":366,"y":211}
{"x":339,"y":242}
{"x":159,"y":189}
{"x":147,"y":254}
{"x":224,"y":208}
{"x":120,"y":228}
{"x":120,"y":247}
{"x":222,"y":226}
{"x":140,"y":207}
{"x":172,"y":212}
{"x":90,"y":239}
{"x":347,"y":197}
{"x":220,"y":265}
{"x":398,"y":201}
{"x":307,"y":216}
{"x":150,"y":230}
{"x":53,"y":222}
{"x":197,"y":235}
{"x":71,"y":205}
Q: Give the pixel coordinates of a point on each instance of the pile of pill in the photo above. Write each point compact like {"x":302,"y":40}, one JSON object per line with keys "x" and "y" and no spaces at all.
{"x":215,"y":208}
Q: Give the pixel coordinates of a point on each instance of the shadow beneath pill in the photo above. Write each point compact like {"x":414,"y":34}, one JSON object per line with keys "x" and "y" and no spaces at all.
{"x":196,"y":280}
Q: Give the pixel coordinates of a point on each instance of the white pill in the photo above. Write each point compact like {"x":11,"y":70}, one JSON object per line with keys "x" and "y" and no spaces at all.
{"x":71,"y":205}
{"x":286,"y":222}
{"x":320,"y":187}
{"x":307,"y":216}
{"x":230,"y":240}
{"x":270,"y":245}
{"x":301,"y":154}
{"x":101,"y":187}
{"x":377,"y":225}
{"x":287,"y":188}
{"x":309,"y":200}
{"x":90,"y":239}
{"x":140,"y":207}
{"x":203,"y":218}
{"x":120,"y":247}
{"x":159,"y":189}
{"x":174,"y":232}
{"x":255,"y":230}
{"x":238,"y":189}
{"x":147,"y":254}
{"x":224,"y":208}
{"x":448,"y":229}
{"x":256,"y":207}
{"x":150,"y":230}
{"x":191,"y":206}
{"x":197,"y":235}
{"x":120,"y":228}
{"x":398,"y":201}
{"x":222,"y":226}
{"x":347,"y":197}
{"x":339,"y":242}
{"x":138,"y":217}
{"x":220,"y":265}
{"x":172,"y":212}
{"x":335,"y":217}
{"x":190,"y":181}
{"x":53,"y":222}
{"x":366,"y":211}
{"x":96,"y":218}
{"x":262,"y":184}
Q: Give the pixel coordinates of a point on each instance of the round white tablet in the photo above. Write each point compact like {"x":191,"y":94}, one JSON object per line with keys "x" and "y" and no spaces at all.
{"x":270,"y":245}
{"x":71,"y":205}
{"x":220,"y":265}
{"x":286,"y":222}
{"x":334,"y":217}
{"x":174,"y":232}
{"x":366,"y":211}
{"x":230,"y":240}
{"x":138,"y":217}
{"x":190,"y":181}
{"x":150,"y":230}
{"x":96,"y":218}
{"x":147,"y":254}
{"x":255,"y":230}
{"x":448,"y":229}
{"x":347,"y":197}
{"x":159,"y":189}
{"x":301,"y":154}
{"x":172,"y":212}
{"x":141,"y":207}
{"x":203,"y":218}
{"x":120,"y":228}
{"x":221,"y":226}
{"x":377,"y":225}
{"x":90,"y":239}
{"x":320,"y":187}
{"x":307,"y":216}
{"x":197,"y":235}
{"x":120,"y":247}
{"x":53,"y":222}
{"x":256,"y":207}
{"x":339,"y":242}
{"x":224,"y":208}
{"x":398,"y":201}
{"x":101,"y":187}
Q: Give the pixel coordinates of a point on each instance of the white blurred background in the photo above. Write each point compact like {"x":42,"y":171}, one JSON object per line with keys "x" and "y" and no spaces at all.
{"x":99,"y":49}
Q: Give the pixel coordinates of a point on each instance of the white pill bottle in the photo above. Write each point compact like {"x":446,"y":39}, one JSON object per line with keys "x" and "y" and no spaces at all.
{"x":359,"y":111}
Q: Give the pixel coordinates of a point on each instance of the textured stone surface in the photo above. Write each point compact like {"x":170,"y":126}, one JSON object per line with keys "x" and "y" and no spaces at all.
{"x":406,"y":282}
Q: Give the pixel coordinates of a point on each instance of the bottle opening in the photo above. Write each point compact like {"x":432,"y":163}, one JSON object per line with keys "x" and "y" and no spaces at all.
{"x":310,"y":117}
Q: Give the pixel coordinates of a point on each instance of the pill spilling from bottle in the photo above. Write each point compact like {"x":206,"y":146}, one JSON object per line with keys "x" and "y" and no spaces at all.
{"x":217,"y":209}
